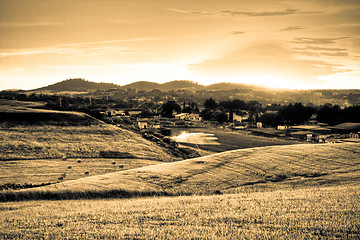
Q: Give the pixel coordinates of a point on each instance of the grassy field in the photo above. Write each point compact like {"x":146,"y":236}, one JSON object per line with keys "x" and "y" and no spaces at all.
{"x":54,"y":170}
{"x":51,"y":142}
{"x":312,"y":213}
{"x":274,"y":167}
{"x":231,"y":140}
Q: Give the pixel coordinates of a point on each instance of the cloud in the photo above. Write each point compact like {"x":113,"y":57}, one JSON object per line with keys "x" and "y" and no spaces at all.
{"x":267,"y":13}
{"x":318,"y":40}
{"x":29,"y":24}
{"x":237,"y":32}
{"x":266,"y":58}
{"x":291,"y":28}
{"x":189,"y":12}
{"x":84,"y":48}
{"x":320,"y":48}
{"x":319,"y":54}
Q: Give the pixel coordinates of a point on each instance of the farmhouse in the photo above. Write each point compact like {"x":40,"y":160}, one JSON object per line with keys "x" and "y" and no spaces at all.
{"x":188,"y":117}
{"x":143,"y":123}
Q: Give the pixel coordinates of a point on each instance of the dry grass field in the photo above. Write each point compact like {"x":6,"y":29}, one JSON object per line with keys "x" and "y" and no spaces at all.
{"x":58,"y":170}
{"x":275,"y":167}
{"x":302,"y":191}
{"x":51,"y":142}
{"x":312,"y":213}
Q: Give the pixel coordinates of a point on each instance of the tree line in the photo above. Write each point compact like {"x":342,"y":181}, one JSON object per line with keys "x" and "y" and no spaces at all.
{"x":222,"y":111}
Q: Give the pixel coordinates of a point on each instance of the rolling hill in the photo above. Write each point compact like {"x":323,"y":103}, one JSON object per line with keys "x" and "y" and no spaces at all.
{"x":81,"y":85}
{"x":77,"y":85}
{"x":272,"y":167}
{"x":30,"y":133}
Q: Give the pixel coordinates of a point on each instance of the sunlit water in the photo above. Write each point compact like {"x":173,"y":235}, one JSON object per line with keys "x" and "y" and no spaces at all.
{"x":196,"y":138}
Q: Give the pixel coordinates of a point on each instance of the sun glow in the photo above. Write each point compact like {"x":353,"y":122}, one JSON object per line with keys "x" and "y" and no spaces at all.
{"x":271,"y":81}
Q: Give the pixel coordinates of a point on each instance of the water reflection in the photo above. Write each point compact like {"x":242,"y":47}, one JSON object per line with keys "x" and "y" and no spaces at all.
{"x":196,"y":138}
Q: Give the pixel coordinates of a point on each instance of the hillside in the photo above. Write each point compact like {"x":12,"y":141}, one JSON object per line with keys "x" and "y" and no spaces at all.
{"x":77,"y":85}
{"x":93,"y":141}
{"x":181,"y":84}
{"x":142,"y":85}
{"x":233,"y":171}
{"x":14,"y":113}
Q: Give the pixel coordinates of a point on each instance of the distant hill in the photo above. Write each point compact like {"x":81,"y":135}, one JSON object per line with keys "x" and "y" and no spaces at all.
{"x":180,"y":84}
{"x":229,"y":86}
{"x":142,"y":85}
{"x":77,"y":85}
{"x":173,"y":85}
{"x":81,"y":85}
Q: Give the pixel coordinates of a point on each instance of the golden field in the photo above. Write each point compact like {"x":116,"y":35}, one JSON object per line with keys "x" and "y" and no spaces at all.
{"x":275,"y":167}
{"x":311,"y":213}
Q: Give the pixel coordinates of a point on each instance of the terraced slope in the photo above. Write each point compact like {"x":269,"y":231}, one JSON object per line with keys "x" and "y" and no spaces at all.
{"x":274,"y":167}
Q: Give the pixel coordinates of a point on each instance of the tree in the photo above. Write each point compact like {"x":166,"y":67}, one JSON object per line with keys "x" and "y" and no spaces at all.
{"x":221,"y":117}
{"x":169,"y":107}
{"x":232,"y":106}
{"x":210,"y":103}
{"x":330,"y":114}
{"x":187,"y":109}
{"x":206,"y":114}
{"x":295,"y":114}
{"x":270,"y":119}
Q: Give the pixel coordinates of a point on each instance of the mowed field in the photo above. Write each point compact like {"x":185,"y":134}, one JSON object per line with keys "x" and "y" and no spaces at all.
{"x":43,"y":171}
{"x":230,"y":140}
{"x":312,"y":213}
{"x":274,"y":167}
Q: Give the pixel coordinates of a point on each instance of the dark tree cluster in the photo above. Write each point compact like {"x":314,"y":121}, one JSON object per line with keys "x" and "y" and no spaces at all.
{"x":334,"y":114}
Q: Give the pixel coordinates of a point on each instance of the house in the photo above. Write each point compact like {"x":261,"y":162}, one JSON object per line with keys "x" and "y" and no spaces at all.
{"x":188,"y":117}
{"x":155,"y":125}
{"x":134,"y":113}
{"x":142,"y":123}
{"x":280,"y":127}
{"x":181,"y":116}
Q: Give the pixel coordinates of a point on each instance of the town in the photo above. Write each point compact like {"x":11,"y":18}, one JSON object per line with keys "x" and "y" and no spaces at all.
{"x":153,"y":112}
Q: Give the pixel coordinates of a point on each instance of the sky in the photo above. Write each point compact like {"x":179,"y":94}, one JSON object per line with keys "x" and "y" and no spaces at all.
{"x":307,"y":44}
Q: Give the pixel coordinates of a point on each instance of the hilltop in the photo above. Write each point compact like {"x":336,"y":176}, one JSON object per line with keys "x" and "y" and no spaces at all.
{"x":81,"y":85}
{"x":77,"y":85}
{"x":272,"y":167}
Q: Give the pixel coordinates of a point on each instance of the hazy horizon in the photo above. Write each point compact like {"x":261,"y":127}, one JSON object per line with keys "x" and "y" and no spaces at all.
{"x":289,"y":44}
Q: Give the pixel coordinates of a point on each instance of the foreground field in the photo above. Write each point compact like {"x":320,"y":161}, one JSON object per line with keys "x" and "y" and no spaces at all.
{"x":313,"y":213}
{"x":228,"y":172}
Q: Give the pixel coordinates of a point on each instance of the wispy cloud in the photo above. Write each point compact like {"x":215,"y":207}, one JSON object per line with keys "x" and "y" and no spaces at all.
{"x":29,"y":24}
{"x":84,"y":48}
{"x":318,"y":40}
{"x":269,"y":13}
{"x":319,"y":54}
{"x":292,"y":28}
{"x":320,"y":48}
{"x":189,"y":12}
